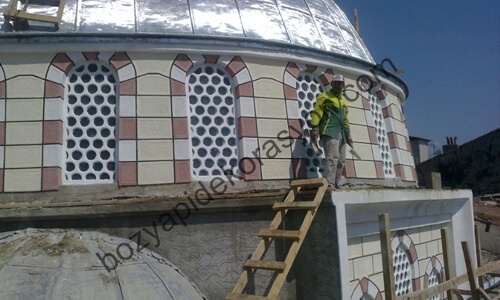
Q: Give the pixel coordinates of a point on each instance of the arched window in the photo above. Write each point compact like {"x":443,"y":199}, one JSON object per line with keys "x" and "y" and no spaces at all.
{"x":210,"y":91}
{"x":308,"y":87}
{"x":402,"y":271}
{"x":383,"y":140}
{"x":90,"y":124}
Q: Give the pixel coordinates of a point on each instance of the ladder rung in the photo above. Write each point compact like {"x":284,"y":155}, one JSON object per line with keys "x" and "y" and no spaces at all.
{"x":295,"y":205}
{"x":308,"y":182}
{"x":280,"y":234}
{"x":234,"y":296}
{"x":263,"y":264}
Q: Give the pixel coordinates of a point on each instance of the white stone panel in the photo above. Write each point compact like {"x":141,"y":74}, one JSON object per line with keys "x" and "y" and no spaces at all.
{"x":127,"y":151}
{"x":178,"y":74}
{"x":179,"y":106}
{"x":52,"y":155}
{"x":56,"y":75}
{"x":182,"y":149}
{"x":127,"y":106}
{"x":54,"y":109}
{"x":243,"y":76}
{"x":126,"y":72}
{"x":292,"y":109}
{"x":245,"y":106}
{"x":248,"y":147}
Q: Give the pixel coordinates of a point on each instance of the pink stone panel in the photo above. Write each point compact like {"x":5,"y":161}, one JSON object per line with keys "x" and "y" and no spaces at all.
{"x":91,"y":55}
{"x":2,"y":133}
{"x":393,"y":140}
{"x":128,"y":129}
{"x":53,"y":132}
{"x":2,"y":90}
{"x":53,"y":90}
{"x":426,"y":280}
{"x":127,"y":174}
{"x":250,"y":169}
{"x":290,"y":92}
{"x":327,"y":77}
{"x":349,"y":170}
{"x":128,"y":87}
{"x":399,"y":171}
{"x":366,"y":103}
{"x":414,"y":173}
{"x":387,"y":112}
{"x":415,"y":284}
{"x":180,"y":128}
{"x":293,"y":69}
{"x":235,"y":66}
{"x":182,"y":169}
{"x":364,"y":285}
{"x":379,"y":167}
{"x":119,"y":60}
{"x":51,"y":179}
{"x":211,"y":59}
{"x":1,"y":180}
{"x":244,"y":90}
{"x":299,"y":168}
{"x":294,"y":129}
{"x":381,"y":94}
{"x":63,"y":62}
{"x":372,"y":133}
{"x":183,"y":62}
{"x":247,"y":127}
{"x":310,"y":69}
{"x":177,"y":88}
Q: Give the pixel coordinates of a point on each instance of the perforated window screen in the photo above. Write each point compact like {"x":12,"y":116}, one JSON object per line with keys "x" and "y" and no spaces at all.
{"x":212,"y":122}
{"x":402,"y":271}
{"x":90,"y":136}
{"x":308,"y":87}
{"x":383,"y":141}
{"x":433,"y":281}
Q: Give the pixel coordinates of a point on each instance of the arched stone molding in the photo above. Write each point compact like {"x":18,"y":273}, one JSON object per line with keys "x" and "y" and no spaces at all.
{"x":401,"y":238}
{"x":366,"y":289}
{"x":53,"y":124}
{"x":244,"y":112}
{"x":434,"y":268}
{"x":3,"y":96}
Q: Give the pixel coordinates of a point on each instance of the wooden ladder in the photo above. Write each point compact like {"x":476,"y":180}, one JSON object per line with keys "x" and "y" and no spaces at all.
{"x":297,"y":236}
{"x":13,"y":13}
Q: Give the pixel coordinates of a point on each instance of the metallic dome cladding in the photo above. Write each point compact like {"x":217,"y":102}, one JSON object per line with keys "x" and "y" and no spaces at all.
{"x":319,"y":24}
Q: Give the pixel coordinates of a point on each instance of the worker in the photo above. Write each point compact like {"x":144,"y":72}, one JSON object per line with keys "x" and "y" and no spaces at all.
{"x":330,"y":123}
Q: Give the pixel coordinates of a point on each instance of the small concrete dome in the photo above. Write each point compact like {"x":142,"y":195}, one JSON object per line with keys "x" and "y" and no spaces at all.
{"x":63,"y":264}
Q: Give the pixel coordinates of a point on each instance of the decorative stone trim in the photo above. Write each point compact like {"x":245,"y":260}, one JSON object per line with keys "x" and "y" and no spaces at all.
{"x":366,"y":287}
{"x":55,"y":83}
{"x":243,"y":100}
{"x":402,"y":239}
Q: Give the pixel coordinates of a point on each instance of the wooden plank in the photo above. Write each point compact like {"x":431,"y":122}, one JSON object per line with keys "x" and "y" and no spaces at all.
{"x":280,"y":234}
{"x":478,"y":253}
{"x":235,"y":296}
{"x":266,"y":265}
{"x":295,"y":205}
{"x":446,"y":257}
{"x":308,"y":182}
{"x":35,"y":17}
{"x":470,"y":271}
{"x":385,"y":244}
{"x":450,"y":284}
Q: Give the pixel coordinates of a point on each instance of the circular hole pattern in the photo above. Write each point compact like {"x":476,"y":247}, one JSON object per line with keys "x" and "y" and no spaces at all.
{"x":402,"y":272}
{"x":308,"y":87}
{"x":90,"y":124}
{"x":212,"y":121}
{"x":383,"y":141}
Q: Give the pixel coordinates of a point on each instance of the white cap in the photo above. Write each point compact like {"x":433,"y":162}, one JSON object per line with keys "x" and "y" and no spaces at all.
{"x":338,"y":78}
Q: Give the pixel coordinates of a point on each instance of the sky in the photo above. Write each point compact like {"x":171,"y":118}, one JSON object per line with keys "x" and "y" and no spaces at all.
{"x":450,"y":51}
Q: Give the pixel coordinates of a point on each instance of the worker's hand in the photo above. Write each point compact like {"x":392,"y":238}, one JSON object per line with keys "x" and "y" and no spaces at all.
{"x":314,"y":135}
{"x":349,"y":140}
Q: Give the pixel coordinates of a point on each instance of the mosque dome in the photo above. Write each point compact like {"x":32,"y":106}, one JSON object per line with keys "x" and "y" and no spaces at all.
{"x":63,"y":264}
{"x":319,"y":24}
